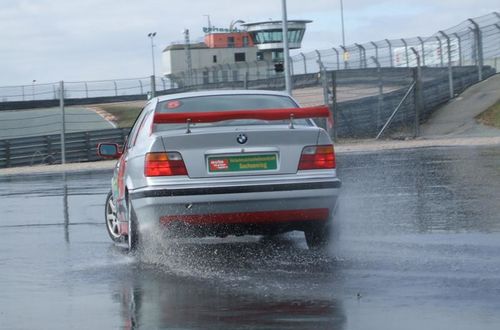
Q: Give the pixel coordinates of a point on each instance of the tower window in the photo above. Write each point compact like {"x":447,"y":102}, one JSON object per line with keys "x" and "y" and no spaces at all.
{"x":239,"y":57}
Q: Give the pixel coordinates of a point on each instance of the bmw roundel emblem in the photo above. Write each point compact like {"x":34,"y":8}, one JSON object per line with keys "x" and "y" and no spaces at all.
{"x":242,"y":139}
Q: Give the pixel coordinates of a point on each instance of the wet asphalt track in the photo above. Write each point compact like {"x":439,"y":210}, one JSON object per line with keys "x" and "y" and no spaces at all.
{"x":417,"y":247}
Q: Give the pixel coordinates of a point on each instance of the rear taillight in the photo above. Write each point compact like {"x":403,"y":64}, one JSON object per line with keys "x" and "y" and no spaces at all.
{"x":317,"y":157}
{"x":164,"y":164}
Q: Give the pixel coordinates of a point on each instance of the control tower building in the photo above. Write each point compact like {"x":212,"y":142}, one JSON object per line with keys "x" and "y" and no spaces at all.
{"x":267,"y":36}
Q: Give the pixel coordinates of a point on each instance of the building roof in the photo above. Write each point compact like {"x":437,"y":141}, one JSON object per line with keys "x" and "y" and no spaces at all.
{"x":199,"y":45}
{"x":290,"y":21}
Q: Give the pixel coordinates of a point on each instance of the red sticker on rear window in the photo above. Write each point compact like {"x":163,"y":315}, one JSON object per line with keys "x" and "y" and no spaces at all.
{"x":173,"y":104}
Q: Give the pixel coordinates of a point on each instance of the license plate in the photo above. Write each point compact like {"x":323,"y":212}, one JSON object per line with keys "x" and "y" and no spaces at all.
{"x":239,"y":163}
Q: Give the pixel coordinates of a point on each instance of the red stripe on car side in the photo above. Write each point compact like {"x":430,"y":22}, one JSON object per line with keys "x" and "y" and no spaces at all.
{"x":263,"y":114}
{"x":249,"y":217}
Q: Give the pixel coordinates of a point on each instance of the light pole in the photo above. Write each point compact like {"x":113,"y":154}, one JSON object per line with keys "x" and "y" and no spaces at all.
{"x":342,"y":20}
{"x":286,"y":51}
{"x":151,"y":35}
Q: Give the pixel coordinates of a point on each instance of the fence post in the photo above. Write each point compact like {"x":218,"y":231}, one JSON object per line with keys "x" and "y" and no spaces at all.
{"x":496,"y":57}
{"x":319,"y":61}
{"x":247,"y":71}
{"x":440,"y":51}
{"x":345,"y":57}
{"x":333,"y":108}
{"x":423,"y":50}
{"x":324,"y":82}
{"x":305,"y":63}
{"x":450,"y":69}
{"x":49,"y":145}
{"x":87,"y":146}
{"x":153,"y":86}
{"x":86,"y":90}
{"x":479,"y":48}
{"x":391,"y":61}
{"x":6,"y":144}
{"x":376,"y":50}
{"x":380,"y":91}
{"x":406,"y":52}
{"x":459,"y":48}
{"x":324,"y":85}
{"x":338,"y":59}
{"x":362,"y":56}
{"x":268,"y":74}
{"x":63,"y":122}
{"x":245,"y":82}
{"x":140,"y":84}
{"x":417,"y":78}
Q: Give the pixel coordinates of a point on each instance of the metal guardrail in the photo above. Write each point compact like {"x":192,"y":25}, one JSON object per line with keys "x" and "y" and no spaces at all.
{"x":38,"y":150}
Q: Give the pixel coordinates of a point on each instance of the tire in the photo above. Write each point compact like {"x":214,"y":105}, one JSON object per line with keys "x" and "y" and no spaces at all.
{"x":111,"y":219}
{"x":133,"y":237}
{"x":318,"y":236}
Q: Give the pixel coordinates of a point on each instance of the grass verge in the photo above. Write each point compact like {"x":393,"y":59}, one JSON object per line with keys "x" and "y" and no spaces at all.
{"x":491,"y":116}
{"x":124,"y":113}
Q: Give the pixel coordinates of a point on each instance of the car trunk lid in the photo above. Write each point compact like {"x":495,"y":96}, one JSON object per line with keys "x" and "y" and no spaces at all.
{"x":236,"y":151}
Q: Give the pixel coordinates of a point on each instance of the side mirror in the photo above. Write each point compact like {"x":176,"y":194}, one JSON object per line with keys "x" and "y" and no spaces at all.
{"x":108,"y":150}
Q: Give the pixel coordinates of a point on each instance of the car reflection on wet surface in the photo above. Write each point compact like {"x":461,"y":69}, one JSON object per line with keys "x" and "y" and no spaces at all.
{"x":416,"y":246}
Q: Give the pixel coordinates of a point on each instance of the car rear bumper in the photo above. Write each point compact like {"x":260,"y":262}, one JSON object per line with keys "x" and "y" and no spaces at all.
{"x":271,"y":204}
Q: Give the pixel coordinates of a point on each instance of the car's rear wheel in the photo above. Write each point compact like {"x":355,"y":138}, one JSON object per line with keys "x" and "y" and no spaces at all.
{"x":112,"y":224}
{"x":318,"y":236}
{"x":133,"y":237}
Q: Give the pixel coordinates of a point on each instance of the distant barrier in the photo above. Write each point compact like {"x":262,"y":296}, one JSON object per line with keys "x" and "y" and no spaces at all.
{"x":46,"y":150}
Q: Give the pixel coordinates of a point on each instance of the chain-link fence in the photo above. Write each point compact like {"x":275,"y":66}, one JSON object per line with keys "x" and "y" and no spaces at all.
{"x":84,"y":89}
{"x":473,"y":42}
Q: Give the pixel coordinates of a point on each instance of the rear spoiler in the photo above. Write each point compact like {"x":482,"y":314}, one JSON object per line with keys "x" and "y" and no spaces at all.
{"x":262,"y":114}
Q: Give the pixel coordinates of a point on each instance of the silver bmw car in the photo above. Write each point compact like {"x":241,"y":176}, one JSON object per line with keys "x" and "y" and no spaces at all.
{"x":223,"y":163}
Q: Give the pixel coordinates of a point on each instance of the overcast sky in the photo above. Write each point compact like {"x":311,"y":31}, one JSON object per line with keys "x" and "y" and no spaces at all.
{"x":52,"y":40}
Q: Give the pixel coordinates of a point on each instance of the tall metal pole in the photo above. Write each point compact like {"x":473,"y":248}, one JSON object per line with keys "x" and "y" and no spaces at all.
{"x":417,"y":77}
{"x":187,"y":50}
{"x":151,"y":36}
{"x":342,"y":20}
{"x":286,"y":50}
{"x":380,"y":91}
{"x":450,"y":68}
{"x":479,"y":49}
{"x":63,"y":122}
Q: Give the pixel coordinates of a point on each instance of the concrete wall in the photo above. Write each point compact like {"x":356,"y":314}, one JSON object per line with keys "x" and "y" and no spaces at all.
{"x":203,"y":58}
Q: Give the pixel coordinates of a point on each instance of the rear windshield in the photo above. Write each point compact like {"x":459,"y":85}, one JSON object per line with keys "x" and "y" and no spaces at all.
{"x":227,"y":103}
